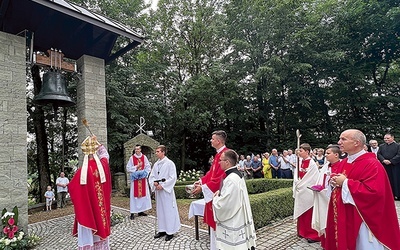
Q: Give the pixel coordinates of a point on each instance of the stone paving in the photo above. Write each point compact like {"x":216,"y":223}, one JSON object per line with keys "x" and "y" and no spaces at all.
{"x":138,"y":234}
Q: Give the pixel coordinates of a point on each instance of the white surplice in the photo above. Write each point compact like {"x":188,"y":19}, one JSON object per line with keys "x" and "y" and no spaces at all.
{"x":167,"y":209}
{"x":232,"y":212}
{"x":321,"y":200}
{"x":303,"y":196}
{"x":141,"y":204}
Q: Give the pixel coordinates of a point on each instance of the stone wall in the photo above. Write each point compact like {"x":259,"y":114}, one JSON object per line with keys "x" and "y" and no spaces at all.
{"x":91,"y":100}
{"x":13,"y":126}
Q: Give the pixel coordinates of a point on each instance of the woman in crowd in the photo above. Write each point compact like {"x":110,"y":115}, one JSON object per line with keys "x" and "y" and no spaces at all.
{"x":266,"y":167}
{"x":320,"y":158}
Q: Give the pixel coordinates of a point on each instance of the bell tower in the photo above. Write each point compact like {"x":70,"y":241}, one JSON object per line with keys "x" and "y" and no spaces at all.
{"x":85,"y":37}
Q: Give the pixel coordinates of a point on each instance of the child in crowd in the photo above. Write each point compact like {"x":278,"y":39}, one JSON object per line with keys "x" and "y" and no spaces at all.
{"x":49,"y":198}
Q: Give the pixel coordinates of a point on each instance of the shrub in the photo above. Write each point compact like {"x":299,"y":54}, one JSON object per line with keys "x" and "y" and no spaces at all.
{"x":256,"y":186}
{"x":270,"y":206}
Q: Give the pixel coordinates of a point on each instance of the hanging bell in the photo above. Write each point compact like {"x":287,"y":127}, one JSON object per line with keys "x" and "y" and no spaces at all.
{"x":53,"y":91}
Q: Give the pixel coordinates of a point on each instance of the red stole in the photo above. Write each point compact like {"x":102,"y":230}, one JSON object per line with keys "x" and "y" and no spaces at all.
{"x":92,"y":202}
{"x":370,"y":188}
{"x":213,"y":179}
{"x":139,"y":186}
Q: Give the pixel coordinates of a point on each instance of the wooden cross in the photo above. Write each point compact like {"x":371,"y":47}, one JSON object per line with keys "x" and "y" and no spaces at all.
{"x":54,"y":60}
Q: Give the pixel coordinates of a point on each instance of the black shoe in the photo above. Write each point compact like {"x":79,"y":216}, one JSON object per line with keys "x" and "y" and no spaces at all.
{"x":159,"y":234}
{"x":169,"y":237}
{"x":142,"y":214}
{"x":311,"y":241}
{"x":132,"y":216}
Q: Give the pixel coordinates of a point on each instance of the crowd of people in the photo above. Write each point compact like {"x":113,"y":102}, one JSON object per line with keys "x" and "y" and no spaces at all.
{"x":275,"y":164}
{"x":342,"y":195}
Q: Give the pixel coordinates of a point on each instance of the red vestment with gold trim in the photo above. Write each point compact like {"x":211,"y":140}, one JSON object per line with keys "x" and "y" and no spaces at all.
{"x":92,"y":202}
{"x":370,"y":188}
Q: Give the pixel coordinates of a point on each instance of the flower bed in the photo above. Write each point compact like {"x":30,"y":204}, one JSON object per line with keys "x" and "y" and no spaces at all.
{"x":13,"y":237}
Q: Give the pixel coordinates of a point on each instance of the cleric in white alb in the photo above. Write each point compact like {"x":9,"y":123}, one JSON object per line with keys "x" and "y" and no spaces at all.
{"x":232,"y":211}
{"x":162,"y":181}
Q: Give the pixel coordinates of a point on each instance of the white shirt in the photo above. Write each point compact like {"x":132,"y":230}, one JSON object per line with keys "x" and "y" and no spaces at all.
{"x":62,"y":180}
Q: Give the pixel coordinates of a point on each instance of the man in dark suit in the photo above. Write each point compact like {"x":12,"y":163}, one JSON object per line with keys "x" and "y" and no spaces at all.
{"x":389,"y":156}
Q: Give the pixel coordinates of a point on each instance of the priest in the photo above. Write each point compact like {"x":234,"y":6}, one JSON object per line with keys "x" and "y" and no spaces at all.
{"x":139,"y":169}
{"x":90,"y":191}
{"x":232,"y":211}
{"x":361,"y":213}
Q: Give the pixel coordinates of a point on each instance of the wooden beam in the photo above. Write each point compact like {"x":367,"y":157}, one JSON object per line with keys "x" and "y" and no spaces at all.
{"x":54,"y":60}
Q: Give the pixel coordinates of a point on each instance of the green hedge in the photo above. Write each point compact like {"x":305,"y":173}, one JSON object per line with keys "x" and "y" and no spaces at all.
{"x":256,"y":186}
{"x":270,"y":206}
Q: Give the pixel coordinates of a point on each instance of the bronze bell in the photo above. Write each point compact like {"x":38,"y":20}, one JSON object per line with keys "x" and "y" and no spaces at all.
{"x":54,"y":91}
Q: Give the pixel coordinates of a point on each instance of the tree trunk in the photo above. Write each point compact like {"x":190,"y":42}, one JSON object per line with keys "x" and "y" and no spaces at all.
{"x":42,"y":159}
{"x":64,"y":145}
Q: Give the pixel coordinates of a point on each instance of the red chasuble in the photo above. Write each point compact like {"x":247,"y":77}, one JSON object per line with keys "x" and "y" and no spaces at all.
{"x":213,"y":179}
{"x":139,"y":186}
{"x":370,"y":188}
{"x":92,"y":202}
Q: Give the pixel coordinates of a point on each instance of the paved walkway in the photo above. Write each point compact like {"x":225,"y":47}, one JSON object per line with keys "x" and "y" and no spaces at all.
{"x":138,"y":234}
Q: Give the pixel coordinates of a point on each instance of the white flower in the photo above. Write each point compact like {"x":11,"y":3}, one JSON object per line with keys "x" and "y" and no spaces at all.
{"x":7,"y":214}
{"x":21,"y":233}
{"x":7,"y":242}
{"x":183,"y":179}
{"x":13,"y":239}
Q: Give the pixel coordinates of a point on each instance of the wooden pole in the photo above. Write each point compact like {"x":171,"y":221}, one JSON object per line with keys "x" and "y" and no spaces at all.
{"x":298,"y":135}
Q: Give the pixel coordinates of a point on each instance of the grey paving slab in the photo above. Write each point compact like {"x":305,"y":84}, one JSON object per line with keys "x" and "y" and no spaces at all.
{"x":138,"y":234}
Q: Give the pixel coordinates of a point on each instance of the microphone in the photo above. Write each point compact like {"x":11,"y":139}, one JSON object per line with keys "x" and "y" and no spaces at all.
{"x":158,"y":181}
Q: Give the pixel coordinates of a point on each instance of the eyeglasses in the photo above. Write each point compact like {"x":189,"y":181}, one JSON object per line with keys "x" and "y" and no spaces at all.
{"x":223,"y":159}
